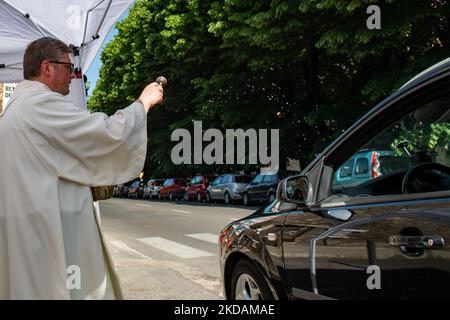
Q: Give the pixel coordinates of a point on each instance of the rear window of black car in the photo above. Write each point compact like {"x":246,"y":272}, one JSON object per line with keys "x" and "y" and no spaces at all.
{"x":242,"y":179}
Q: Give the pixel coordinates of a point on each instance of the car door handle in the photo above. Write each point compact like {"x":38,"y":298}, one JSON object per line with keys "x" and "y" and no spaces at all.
{"x":420,"y":242}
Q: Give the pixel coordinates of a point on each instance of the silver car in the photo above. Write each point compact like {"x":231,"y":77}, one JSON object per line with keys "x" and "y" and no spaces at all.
{"x":227,"y":188}
{"x":152,"y":188}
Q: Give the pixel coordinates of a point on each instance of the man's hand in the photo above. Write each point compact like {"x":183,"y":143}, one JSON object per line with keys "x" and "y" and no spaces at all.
{"x":151,"y":95}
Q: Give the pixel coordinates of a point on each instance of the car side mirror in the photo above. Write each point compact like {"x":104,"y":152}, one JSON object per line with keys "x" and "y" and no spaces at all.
{"x":294,"y":189}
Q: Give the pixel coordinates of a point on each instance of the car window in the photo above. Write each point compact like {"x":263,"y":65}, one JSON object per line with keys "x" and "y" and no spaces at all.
{"x":361,"y":166}
{"x":218,"y":180}
{"x":269,"y":178}
{"x":387,"y":164}
{"x":226,"y":179}
{"x":168,"y":182}
{"x":346,"y":169}
{"x":258,"y":178}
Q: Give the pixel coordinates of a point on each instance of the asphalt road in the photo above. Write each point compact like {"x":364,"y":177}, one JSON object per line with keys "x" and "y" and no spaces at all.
{"x":167,"y":250}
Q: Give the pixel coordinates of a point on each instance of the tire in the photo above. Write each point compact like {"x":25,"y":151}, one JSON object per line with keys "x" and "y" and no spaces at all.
{"x":226,"y":198}
{"x":199,"y":197}
{"x":159,"y":196}
{"x":271,"y":197}
{"x":245,"y":199}
{"x":170,"y":196}
{"x":208,"y":198}
{"x":186,"y":197}
{"x":247,"y":283}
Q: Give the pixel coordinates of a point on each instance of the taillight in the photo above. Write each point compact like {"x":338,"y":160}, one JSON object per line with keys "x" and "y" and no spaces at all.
{"x":375,"y":165}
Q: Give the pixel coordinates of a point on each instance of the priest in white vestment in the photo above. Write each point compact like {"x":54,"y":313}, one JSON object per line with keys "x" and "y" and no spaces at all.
{"x":51,"y":246}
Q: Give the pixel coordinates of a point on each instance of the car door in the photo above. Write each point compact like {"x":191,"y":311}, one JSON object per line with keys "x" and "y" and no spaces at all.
{"x":190,"y":189}
{"x":386,"y":238}
{"x":222,"y":186}
{"x":215,"y":188}
{"x":254,"y":189}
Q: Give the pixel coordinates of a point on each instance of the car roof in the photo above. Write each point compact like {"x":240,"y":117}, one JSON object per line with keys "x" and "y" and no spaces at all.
{"x":427,"y":73}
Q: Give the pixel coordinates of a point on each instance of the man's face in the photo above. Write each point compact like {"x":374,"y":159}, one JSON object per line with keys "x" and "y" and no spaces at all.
{"x":60,"y":75}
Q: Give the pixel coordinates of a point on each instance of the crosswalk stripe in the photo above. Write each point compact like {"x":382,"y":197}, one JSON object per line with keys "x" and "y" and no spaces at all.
{"x":209,"y":237}
{"x":174,"y":248}
{"x":123,"y":246}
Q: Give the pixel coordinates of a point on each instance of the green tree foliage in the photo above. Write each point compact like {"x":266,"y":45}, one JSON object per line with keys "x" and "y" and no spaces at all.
{"x":309,"y":68}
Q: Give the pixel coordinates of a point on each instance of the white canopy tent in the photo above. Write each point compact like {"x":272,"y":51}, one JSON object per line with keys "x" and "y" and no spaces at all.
{"x":81,"y":24}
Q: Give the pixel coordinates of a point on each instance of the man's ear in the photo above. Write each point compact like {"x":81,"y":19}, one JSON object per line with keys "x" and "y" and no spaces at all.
{"x":45,"y":68}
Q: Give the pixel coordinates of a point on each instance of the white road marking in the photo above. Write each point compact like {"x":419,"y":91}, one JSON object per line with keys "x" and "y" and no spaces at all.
{"x":209,"y":237}
{"x":122,"y":246}
{"x":181,"y":211}
{"x":186,"y":271}
{"x":174,"y":248}
{"x":145,"y":205}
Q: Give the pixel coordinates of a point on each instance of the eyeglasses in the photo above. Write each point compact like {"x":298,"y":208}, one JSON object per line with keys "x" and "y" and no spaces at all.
{"x":72,"y":66}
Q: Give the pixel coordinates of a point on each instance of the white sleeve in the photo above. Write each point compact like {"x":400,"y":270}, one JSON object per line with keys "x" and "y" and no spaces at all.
{"x":90,"y":149}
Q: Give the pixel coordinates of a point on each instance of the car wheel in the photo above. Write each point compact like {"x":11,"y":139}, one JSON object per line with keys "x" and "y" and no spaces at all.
{"x":271,"y":197}
{"x":186,"y":197}
{"x":199,"y":197}
{"x":208,"y":197}
{"x":159,"y":196}
{"x":245,"y":200}
{"x":247,"y":283}
{"x":227,"y":198}
{"x":170,"y":196}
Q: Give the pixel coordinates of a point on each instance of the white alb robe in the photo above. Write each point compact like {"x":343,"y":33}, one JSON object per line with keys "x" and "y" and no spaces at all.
{"x":51,"y":152}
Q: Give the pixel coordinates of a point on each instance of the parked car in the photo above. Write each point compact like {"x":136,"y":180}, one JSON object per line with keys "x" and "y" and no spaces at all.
{"x":172,"y":189}
{"x":227,"y":188}
{"x":383,"y":238}
{"x":263,"y":187}
{"x":196,"y":189}
{"x":116,"y":192}
{"x":123,"y":189}
{"x":152,"y":188}
{"x":136,"y":189}
{"x":368,"y":164}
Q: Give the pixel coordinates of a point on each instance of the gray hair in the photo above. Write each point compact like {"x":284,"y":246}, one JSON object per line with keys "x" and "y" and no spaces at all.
{"x":46,"y":48}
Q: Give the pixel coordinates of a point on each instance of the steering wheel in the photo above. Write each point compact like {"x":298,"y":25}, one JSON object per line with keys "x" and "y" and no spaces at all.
{"x":426,"y":177}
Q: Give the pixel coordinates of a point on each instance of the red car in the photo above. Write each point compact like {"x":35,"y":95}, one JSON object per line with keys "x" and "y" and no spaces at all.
{"x":172,"y":189}
{"x":197,"y":188}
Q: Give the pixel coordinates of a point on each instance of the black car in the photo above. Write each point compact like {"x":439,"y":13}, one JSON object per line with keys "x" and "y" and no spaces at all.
{"x":383,"y":238}
{"x":136,"y":189}
{"x":263,"y":187}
